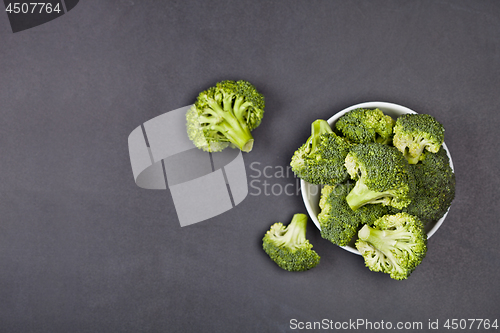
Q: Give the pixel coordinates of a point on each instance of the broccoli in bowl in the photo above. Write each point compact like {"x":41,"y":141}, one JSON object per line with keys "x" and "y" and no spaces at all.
{"x":421,"y":169}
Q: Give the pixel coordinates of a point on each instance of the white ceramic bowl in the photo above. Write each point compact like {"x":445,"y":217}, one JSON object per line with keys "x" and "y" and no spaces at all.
{"x":311,"y":193}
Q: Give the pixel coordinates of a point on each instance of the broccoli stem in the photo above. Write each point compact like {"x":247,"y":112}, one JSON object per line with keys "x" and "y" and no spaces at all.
{"x":318,"y":127}
{"x":240,"y":108}
{"x":414,"y":154}
{"x":296,"y":231}
{"x":361,"y":195}
{"x":384,"y":240}
{"x":374,"y":237}
{"x":237,"y":134}
{"x":228,"y":124}
{"x":411,"y":159}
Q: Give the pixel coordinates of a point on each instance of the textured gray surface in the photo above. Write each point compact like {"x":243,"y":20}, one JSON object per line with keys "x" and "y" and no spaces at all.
{"x":83,"y":249}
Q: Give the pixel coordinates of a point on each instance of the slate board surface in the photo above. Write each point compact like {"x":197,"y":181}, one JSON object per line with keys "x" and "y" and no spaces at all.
{"x":84,"y":249}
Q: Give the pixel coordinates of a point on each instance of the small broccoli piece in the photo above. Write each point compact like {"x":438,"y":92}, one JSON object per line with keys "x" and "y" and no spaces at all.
{"x":321,"y":159}
{"x":338,"y":222}
{"x":415,"y":132}
{"x":288,"y":246}
{"x":366,"y":125}
{"x":435,"y":188}
{"x":395,"y":244}
{"x":225,"y":114}
{"x":382,"y":176}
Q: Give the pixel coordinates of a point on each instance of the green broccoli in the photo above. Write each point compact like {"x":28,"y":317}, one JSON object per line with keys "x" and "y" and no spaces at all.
{"x":288,"y":246}
{"x":321,"y":159}
{"x":366,"y":125}
{"x":435,"y":188}
{"x":339,"y":223}
{"x":382,"y":176}
{"x":395,"y":244}
{"x":225,"y":114}
{"x":415,"y":132}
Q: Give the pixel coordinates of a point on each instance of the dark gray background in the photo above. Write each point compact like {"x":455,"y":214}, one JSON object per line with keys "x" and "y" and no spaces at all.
{"x":83,"y":249}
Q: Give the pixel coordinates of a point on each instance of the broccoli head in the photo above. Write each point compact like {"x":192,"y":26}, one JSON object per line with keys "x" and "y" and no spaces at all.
{"x":321,"y":159}
{"x":382,"y":176}
{"x":288,"y":246}
{"x":394,"y":244}
{"x":339,"y":223}
{"x":415,"y":132}
{"x":435,"y":188}
{"x":366,"y":125}
{"x":225,"y":114}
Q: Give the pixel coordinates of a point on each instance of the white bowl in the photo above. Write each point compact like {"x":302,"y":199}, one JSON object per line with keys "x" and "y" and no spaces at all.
{"x":311,"y":193}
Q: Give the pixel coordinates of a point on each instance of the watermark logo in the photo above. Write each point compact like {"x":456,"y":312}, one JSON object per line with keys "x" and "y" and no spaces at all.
{"x":203,"y":185}
{"x":273,"y":180}
{"x":29,"y":14}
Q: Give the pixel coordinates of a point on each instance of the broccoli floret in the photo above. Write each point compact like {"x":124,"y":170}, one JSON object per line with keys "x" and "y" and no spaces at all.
{"x":225,"y":114}
{"x":382,"y":176}
{"x":338,"y":222}
{"x":366,"y":125}
{"x":288,"y":246}
{"x":435,"y":188}
{"x":321,"y":159}
{"x":395,"y":244}
{"x":415,"y":132}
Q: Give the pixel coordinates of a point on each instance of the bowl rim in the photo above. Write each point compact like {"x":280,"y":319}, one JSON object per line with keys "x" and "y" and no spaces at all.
{"x":305,"y":186}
